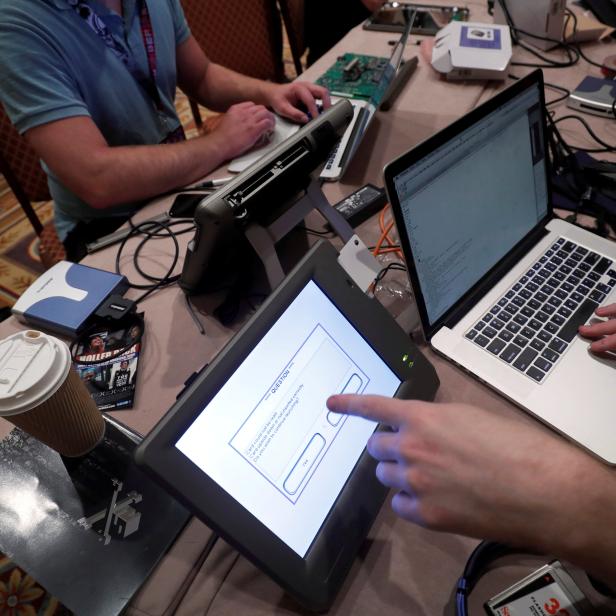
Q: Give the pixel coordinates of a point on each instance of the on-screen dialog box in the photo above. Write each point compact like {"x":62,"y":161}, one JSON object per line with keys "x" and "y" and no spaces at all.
{"x":286,"y":435}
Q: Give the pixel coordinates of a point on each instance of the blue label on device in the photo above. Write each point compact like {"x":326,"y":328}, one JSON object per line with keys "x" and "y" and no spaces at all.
{"x":483,"y":38}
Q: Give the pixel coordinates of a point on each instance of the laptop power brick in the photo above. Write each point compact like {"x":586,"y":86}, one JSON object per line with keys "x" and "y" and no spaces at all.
{"x":362,"y":204}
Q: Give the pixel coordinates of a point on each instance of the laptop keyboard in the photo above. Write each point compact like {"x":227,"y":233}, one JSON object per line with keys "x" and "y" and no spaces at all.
{"x":533,"y":324}
{"x":332,"y":157}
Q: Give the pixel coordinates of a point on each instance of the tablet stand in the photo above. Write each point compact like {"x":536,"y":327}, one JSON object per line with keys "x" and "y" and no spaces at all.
{"x":263,"y":238}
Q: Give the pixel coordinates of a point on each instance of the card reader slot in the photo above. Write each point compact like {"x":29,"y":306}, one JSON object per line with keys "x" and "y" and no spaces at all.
{"x":246,"y":191}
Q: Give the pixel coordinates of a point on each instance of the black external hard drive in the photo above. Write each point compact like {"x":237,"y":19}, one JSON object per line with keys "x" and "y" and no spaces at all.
{"x":594,"y":95}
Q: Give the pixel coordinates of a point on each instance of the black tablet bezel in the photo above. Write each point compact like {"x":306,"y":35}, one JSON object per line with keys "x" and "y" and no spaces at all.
{"x":314,"y":579}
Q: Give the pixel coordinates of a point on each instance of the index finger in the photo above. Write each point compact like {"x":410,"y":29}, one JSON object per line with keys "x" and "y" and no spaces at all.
{"x":287,"y":110}
{"x":378,"y":408}
{"x":320,"y":92}
{"x":305,"y":96}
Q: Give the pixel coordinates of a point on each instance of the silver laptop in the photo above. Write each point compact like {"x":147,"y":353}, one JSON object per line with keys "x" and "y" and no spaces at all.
{"x":501,"y":285}
{"x":363,"y":112}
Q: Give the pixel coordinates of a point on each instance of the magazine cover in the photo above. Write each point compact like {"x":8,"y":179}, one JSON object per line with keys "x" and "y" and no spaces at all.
{"x":106,"y":359}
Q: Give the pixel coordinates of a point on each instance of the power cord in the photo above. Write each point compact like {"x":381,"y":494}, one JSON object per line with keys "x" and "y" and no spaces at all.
{"x":606,"y":147}
{"x":565,"y":96}
{"x":572,"y":16}
{"x":153,"y":230}
{"x":394,"y":265}
{"x":573,"y":54}
{"x":163,"y":229}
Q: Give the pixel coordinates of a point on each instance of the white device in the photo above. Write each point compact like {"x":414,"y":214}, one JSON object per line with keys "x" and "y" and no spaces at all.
{"x":63,"y":298}
{"x":543,"y":18}
{"x":594,"y":95}
{"x":464,"y":50}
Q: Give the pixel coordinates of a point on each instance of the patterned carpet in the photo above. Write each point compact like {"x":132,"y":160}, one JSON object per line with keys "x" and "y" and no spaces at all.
{"x":21,"y":595}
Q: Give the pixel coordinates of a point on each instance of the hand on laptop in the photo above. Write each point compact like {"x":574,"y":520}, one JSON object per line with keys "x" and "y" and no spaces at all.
{"x":241,"y":127}
{"x":292,"y":100}
{"x":462,"y":469}
{"x":604,"y":333}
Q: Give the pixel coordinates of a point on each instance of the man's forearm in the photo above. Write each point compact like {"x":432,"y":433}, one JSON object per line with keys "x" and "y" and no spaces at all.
{"x":591,"y":542}
{"x":141,"y":172}
{"x":575,"y":518}
{"x":221,"y":87}
{"x":105,"y":176}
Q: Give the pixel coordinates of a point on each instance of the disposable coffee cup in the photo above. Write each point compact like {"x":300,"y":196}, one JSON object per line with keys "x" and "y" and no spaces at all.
{"x":42,"y":394}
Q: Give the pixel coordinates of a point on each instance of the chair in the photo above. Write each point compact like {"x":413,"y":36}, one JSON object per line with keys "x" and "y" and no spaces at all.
{"x":243,"y":35}
{"x":20,"y":166}
{"x":292,"y":12}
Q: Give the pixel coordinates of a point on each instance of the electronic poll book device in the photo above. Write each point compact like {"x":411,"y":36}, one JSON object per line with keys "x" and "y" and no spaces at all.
{"x":251,"y":447}
{"x":259,"y":194}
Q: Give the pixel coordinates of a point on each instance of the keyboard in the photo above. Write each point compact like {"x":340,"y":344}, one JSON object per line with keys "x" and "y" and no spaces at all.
{"x":532,"y":325}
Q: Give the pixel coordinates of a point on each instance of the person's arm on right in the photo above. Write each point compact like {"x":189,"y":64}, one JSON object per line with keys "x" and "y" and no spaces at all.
{"x":104,"y":176}
{"x":466,"y":470}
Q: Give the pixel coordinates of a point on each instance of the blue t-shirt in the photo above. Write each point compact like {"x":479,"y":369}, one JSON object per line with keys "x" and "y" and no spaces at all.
{"x":54,"y":66}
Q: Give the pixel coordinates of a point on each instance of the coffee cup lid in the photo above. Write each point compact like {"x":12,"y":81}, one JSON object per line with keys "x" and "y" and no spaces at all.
{"x":33,"y":366}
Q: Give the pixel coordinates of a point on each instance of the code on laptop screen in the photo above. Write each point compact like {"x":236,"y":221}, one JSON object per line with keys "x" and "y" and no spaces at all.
{"x":469,"y":202}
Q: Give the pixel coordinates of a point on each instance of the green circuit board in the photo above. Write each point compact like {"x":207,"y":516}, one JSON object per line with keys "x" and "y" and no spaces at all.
{"x":354,"y":75}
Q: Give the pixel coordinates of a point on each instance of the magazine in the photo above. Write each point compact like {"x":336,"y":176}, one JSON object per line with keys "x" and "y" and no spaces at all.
{"x":106,"y":359}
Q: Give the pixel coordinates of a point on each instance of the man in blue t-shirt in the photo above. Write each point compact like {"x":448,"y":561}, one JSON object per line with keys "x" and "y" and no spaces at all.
{"x":91,"y":84}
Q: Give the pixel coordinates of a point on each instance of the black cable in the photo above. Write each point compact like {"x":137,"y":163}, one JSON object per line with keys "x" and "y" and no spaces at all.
{"x":571,"y":15}
{"x":315,"y":232}
{"x":390,"y":266}
{"x":572,"y":52}
{"x":560,"y":89}
{"x":548,"y":85}
{"x":606,"y":147}
{"x":153,"y":230}
{"x":393,"y":246}
{"x":158,"y":230}
{"x":194,"y":316}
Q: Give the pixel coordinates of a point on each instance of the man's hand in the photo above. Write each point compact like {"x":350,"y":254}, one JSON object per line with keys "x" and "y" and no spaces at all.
{"x":603,"y":334}
{"x":292,"y":100}
{"x":241,"y":127}
{"x":462,"y":469}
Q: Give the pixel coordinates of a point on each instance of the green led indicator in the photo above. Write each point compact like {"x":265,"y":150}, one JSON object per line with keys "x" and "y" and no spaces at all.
{"x":405,"y":357}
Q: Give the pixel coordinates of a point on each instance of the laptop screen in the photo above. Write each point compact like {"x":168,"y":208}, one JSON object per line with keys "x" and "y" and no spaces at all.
{"x":470,"y":201}
{"x":267,"y":437}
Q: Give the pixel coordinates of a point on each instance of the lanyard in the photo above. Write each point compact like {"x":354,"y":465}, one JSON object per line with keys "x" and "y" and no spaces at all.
{"x":96,"y":24}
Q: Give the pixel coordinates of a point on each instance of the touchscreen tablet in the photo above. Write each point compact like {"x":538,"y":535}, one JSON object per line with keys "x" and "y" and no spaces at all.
{"x":267,"y":437}
{"x":252,"y":448}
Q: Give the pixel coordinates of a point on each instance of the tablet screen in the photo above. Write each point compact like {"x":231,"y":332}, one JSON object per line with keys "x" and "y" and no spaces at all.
{"x":267,"y":437}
